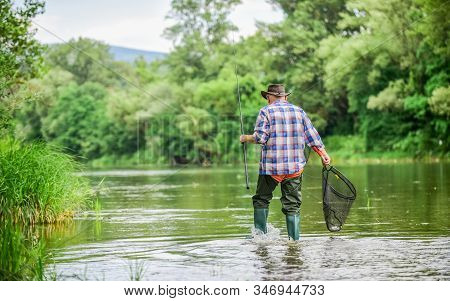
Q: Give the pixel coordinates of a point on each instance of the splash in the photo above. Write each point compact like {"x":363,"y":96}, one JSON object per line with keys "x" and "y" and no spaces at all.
{"x":272,"y":235}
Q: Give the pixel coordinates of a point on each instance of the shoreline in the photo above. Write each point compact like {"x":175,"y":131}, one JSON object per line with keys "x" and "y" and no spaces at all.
{"x":372,"y":159}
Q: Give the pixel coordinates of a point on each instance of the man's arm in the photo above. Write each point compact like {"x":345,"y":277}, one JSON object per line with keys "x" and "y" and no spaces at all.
{"x":314,"y":141}
{"x":326,"y":160}
{"x":262,"y":130}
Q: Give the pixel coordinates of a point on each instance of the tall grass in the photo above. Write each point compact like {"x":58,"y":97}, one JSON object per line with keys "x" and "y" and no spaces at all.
{"x":37,"y":183}
{"x":137,"y":270}
{"x":22,"y":257}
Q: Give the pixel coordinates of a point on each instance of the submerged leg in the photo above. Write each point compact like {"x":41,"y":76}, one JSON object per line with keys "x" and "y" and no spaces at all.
{"x":260,"y":218}
{"x":293,"y":226}
{"x":261,"y":200}
{"x":291,"y":201}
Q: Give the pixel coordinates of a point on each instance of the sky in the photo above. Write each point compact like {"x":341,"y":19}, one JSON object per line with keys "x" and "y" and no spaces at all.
{"x":132,"y":23}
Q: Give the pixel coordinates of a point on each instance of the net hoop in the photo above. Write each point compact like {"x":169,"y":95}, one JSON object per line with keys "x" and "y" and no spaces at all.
{"x":350,"y":186}
{"x":327,"y":207}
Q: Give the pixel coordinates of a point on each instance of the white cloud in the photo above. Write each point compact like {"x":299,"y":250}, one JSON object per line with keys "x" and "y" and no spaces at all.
{"x":250,"y":11}
{"x":142,"y":33}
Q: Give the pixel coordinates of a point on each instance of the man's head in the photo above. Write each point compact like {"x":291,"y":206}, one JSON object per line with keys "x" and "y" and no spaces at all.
{"x":275,"y":92}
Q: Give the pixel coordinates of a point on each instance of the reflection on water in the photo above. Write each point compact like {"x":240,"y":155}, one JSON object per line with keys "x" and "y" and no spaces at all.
{"x":193,"y":224}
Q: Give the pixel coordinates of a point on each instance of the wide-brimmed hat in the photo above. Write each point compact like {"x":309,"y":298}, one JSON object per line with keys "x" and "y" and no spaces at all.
{"x":276,"y":89}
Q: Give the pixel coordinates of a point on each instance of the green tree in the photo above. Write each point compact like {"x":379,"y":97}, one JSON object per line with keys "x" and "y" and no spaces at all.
{"x":436,"y":25}
{"x":388,"y":65}
{"x":20,"y":53}
{"x":77,"y":120}
{"x":39,"y":94}
{"x":294,"y":43}
{"x":87,"y":60}
{"x":199,"y":34}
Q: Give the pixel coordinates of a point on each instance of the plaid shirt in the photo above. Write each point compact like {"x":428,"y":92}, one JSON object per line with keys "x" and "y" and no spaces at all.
{"x":282,"y":129}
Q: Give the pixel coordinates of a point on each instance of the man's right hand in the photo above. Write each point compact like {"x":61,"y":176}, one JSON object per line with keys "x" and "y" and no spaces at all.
{"x":326,"y":160}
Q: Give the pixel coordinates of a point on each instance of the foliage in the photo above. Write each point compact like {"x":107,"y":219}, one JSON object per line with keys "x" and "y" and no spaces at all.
{"x":22,"y":255}
{"x":388,"y":65}
{"x":199,"y":34}
{"x":439,"y":102}
{"x":20,"y":53}
{"x":86,"y":60}
{"x":76,"y":122}
{"x":37,"y":183}
{"x":372,"y":73}
{"x":391,"y":98}
{"x":40,"y":95}
{"x":208,"y":18}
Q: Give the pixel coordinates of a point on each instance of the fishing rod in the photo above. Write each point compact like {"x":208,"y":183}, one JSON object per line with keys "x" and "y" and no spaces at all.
{"x":244,"y":145}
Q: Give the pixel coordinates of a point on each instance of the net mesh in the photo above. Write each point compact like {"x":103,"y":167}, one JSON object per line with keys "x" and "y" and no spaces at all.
{"x":338,"y":196}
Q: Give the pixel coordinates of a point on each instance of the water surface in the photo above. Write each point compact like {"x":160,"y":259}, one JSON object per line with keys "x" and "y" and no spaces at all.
{"x":192,"y":223}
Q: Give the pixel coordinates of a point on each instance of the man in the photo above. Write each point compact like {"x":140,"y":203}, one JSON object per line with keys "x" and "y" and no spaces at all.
{"x":282,"y":129}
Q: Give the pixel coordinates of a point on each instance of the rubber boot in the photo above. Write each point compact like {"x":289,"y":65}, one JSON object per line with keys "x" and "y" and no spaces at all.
{"x":293,"y":226}
{"x":260,"y":218}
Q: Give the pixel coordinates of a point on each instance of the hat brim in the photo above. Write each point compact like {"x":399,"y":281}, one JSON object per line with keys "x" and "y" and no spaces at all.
{"x":264,"y":94}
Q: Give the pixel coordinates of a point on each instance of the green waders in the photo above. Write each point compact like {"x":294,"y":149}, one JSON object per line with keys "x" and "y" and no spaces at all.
{"x":260,"y":217}
{"x":290,"y":199}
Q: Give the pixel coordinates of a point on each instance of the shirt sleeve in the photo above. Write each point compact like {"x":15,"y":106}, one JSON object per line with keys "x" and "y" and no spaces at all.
{"x":312,"y":137}
{"x":262,"y":128}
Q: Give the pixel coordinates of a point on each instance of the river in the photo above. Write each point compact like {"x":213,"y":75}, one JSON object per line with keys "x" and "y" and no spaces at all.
{"x":193,"y":224}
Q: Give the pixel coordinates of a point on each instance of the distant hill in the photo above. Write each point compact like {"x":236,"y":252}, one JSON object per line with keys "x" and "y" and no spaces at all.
{"x":130,"y":54}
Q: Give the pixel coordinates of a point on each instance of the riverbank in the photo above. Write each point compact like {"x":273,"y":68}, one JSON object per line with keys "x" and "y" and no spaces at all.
{"x":343,"y":149}
{"x":338,"y":157}
{"x":37,"y":186}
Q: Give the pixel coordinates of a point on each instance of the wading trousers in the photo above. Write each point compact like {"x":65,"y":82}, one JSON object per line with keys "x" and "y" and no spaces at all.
{"x":291,"y":198}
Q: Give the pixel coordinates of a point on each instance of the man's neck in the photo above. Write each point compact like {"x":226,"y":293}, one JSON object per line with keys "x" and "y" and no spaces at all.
{"x":278,"y":99}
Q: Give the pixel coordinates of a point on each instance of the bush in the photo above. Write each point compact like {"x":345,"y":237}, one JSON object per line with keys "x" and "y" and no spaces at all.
{"x":344,"y":146}
{"x":38,"y":184}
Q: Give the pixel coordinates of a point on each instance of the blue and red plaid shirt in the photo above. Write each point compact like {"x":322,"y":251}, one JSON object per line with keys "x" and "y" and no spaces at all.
{"x":283,"y":129}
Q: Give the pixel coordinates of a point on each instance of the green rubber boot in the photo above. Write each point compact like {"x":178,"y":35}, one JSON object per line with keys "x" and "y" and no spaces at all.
{"x":293,"y":226}
{"x":260,"y":218}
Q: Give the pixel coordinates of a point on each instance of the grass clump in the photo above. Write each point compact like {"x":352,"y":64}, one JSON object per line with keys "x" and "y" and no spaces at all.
{"x":137,"y":270}
{"x":38,"y":184}
{"x":22,"y":257}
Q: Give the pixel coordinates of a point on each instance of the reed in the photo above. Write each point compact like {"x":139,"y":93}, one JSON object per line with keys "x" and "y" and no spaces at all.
{"x":137,"y":270}
{"x":38,"y":184}
{"x":22,"y":257}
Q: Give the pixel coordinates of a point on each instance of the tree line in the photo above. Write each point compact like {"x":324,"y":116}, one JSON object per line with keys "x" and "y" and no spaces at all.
{"x":371,"y":74}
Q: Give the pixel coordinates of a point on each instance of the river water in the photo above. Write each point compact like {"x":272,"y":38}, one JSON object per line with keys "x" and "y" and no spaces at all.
{"x":194,"y":223}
